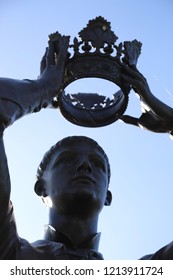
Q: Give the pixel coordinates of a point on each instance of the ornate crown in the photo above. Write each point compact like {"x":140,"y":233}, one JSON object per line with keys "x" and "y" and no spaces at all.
{"x":95,"y":54}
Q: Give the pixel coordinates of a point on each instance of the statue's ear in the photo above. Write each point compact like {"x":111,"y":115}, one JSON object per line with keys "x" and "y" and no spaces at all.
{"x":39,"y":188}
{"x":108,"y":198}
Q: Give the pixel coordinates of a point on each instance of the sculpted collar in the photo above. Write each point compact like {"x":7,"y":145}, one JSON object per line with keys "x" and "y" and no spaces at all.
{"x":56,"y":236}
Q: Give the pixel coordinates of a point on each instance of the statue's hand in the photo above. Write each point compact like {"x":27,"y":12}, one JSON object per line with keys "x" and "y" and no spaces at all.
{"x":52,"y":66}
{"x":137,"y":81}
{"x":156,"y":116}
{"x":149,"y":121}
{"x":18,"y":98}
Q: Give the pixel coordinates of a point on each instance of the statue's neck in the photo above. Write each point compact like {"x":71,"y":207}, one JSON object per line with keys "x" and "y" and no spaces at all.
{"x":77,"y":229}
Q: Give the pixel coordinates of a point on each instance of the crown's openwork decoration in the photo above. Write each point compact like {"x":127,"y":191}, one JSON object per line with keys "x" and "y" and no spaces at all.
{"x":96,"y":54}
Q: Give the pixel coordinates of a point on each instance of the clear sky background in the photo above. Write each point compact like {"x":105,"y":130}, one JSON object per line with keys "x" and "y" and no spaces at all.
{"x":139,"y":221}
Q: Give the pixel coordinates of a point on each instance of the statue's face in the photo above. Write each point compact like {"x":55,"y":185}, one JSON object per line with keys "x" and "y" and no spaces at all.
{"x":77,"y":178}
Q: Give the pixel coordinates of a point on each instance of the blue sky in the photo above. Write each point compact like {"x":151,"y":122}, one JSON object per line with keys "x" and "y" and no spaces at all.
{"x":139,"y":221}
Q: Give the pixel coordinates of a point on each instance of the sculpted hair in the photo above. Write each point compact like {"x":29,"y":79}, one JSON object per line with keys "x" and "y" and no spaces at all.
{"x":67,"y":141}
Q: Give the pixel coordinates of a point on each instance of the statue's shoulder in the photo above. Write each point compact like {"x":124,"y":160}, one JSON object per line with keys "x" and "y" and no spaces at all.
{"x":165,"y":253}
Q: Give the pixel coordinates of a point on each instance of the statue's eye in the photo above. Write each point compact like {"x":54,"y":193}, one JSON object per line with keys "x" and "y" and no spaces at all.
{"x":98,"y":162}
{"x":66,"y":158}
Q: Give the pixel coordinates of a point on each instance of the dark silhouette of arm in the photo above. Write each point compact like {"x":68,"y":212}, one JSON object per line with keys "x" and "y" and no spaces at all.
{"x":18,"y":98}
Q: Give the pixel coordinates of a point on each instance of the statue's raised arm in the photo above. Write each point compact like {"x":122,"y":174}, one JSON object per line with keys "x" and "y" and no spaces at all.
{"x":156,"y":116}
{"x":18,"y":98}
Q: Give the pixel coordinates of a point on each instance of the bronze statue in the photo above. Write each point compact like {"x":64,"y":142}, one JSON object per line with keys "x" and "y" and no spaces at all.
{"x":72,"y":179}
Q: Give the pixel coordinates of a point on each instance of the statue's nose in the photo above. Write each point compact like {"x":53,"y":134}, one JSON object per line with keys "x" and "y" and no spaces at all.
{"x":84,"y":165}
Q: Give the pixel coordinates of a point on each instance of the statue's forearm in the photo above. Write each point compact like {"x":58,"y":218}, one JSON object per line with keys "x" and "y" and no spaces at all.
{"x":18,"y":98}
{"x":161,"y":109}
{"x":4,"y":180}
{"x":8,"y":232}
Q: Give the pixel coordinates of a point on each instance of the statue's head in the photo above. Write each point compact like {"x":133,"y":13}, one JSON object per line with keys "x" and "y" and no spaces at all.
{"x":74,"y":174}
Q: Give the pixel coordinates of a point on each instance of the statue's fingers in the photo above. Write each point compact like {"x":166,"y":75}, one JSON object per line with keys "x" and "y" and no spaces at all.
{"x":130,"y":120}
{"x":134,"y":83}
{"x":50,"y":56}
{"x":133,"y":72}
{"x":61,"y":50}
{"x":43,"y":62}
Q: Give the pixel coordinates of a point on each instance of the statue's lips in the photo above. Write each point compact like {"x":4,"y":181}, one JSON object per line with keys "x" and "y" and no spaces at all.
{"x":84,"y":178}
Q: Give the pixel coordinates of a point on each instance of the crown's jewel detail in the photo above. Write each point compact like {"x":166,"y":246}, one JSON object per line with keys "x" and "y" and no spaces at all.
{"x":94,"y":54}
{"x":98,"y":31}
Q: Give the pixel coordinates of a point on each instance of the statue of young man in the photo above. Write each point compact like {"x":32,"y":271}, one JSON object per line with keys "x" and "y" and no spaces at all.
{"x":83,"y":170}
{"x":72,"y":178}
